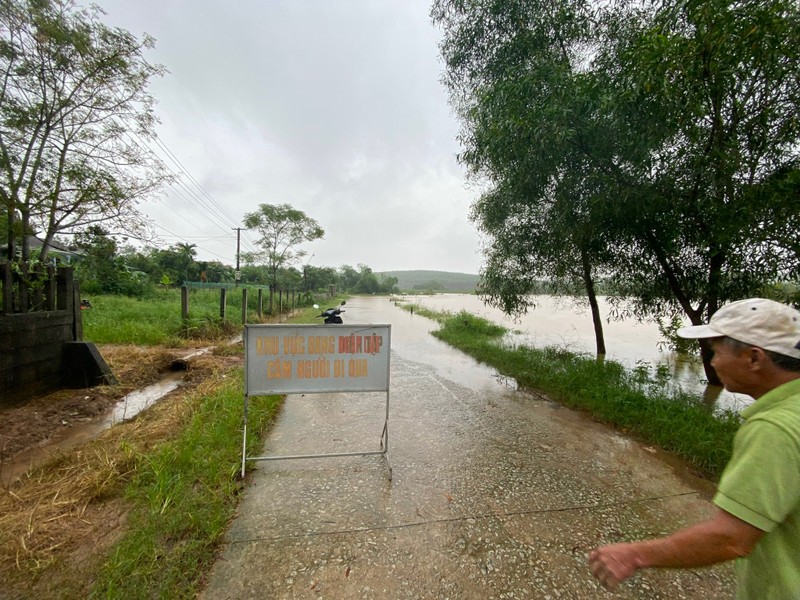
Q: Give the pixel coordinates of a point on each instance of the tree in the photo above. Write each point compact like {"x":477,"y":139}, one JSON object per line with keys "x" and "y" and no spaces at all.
{"x":517,"y":75}
{"x":348,"y":277}
{"x":73,"y":95}
{"x":177,"y":262}
{"x":103,"y":269}
{"x":282,"y":229}
{"x":708,"y":95}
{"x":647,"y":141}
{"x":318,"y":278}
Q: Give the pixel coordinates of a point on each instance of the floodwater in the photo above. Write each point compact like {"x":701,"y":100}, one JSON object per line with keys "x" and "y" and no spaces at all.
{"x":557,"y":322}
{"x":496,"y":492}
{"x":77,"y":434}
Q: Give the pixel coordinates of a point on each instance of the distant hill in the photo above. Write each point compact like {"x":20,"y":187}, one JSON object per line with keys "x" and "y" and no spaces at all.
{"x":436,"y":281}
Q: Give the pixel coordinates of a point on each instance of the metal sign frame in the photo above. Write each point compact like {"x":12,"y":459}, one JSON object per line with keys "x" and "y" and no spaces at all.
{"x":310,"y":359}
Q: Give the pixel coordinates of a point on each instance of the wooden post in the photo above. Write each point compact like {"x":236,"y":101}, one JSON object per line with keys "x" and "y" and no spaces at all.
{"x":271,"y":298}
{"x":223,"y":294}
{"x":184,"y":303}
{"x":280,"y":301}
{"x":51,"y":289}
{"x":244,"y":305}
{"x":75,"y":307}
{"x":260,"y":302}
{"x":8,"y":288}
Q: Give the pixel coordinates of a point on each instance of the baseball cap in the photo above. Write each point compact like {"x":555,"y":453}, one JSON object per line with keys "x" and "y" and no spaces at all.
{"x":756,"y":321}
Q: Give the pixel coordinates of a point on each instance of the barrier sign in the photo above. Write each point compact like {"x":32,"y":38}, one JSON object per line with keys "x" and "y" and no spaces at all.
{"x":302,"y":359}
{"x":299,"y":359}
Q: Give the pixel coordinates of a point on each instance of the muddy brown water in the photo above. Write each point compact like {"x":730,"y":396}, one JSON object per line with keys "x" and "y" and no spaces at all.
{"x":560,"y":323}
{"x":80,"y":433}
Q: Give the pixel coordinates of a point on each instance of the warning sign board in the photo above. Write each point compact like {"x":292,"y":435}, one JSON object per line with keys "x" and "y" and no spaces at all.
{"x":294,"y":359}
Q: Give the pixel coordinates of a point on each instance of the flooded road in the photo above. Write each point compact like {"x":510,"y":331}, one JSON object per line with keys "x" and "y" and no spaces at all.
{"x":496,"y":493}
{"x":557,"y":322}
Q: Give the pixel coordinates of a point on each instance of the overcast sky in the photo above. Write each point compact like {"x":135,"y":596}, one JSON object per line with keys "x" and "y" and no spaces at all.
{"x":332,"y":106}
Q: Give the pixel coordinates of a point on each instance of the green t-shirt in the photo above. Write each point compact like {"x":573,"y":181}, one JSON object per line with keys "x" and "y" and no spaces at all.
{"x":761,"y":485}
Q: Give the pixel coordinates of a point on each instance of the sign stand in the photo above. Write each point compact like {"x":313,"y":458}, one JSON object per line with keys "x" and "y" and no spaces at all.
{"x":307,"y":359}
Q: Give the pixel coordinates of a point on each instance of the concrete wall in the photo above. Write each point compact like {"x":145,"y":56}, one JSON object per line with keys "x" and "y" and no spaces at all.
{"x":32,"y":342}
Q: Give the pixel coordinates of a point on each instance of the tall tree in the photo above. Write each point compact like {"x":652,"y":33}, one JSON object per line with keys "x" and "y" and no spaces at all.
{"x":516,"y":74}
{"x":667,"y":130}
{"x":73,"y":94}
{"x":708,"y":94}
{"x":282,"y":229}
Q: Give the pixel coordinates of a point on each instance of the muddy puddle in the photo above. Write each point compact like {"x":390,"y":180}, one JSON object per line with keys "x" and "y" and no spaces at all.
{"x":74,"y":434}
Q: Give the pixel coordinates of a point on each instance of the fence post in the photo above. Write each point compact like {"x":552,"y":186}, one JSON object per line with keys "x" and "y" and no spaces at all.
{"x":75,"y":306}
{"x":24,"y":300}
{"x":271,"y":299}
{"x":223,"y":295}
{"x":51,"y":289}
{"x":184,"y":303}
{"x":64,"y":289}
{"x":244,"y":305}
{"x":8,"y":288}
{"x":260,"y":302}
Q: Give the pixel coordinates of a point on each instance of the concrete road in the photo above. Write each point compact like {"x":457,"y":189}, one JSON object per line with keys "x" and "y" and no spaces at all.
{"x":496,"y":493}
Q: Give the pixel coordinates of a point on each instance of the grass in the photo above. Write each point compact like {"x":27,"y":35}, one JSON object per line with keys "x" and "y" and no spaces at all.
{"x":173,"y":472}
{"x":156,"y":320}
{"x":637,"y":401}
{"x":184,"y":492}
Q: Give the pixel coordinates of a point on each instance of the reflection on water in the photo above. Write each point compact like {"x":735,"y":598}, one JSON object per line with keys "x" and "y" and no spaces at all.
{"x":557,"y":322}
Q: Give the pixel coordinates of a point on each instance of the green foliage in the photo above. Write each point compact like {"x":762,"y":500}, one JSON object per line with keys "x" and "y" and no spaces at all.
{"x":437,"y":281}
{"x":654,"y":143}
{"x":156,"y":319}
{"x":368,"y":282}
{"x":102,"y":270}
{"x":185,"y":492}
{"x":72,"y":90}
{"x":669,"y":331}
{"x":282,"y":229}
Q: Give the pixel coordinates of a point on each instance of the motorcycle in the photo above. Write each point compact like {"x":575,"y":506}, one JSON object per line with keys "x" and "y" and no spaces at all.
{"x":332,"y":315}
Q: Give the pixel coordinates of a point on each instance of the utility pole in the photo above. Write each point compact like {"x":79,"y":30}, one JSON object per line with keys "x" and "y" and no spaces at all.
{"x":238,"y":275}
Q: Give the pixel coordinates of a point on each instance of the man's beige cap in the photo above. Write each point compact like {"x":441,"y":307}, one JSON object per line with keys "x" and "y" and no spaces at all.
{"x":757,"y":321}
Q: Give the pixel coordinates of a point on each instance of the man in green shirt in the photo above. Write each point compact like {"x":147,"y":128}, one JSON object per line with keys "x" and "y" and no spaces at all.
{"x":756,"y":346}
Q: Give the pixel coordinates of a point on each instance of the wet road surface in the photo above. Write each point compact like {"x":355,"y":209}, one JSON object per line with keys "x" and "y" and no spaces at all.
{"x":496,"y":493}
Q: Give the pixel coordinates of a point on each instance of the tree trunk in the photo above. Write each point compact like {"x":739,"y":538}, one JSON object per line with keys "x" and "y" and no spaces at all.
{"x":706,"y":354}
{"x":590,"y":293}
{"x":12,"y":241}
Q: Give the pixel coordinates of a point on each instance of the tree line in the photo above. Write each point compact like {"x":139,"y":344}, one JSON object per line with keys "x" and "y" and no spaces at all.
{"x":108,"y":266}
{"x":652,"y":145}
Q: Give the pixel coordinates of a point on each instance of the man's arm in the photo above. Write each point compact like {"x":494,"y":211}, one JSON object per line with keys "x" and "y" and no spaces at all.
{"x":722,"y":538}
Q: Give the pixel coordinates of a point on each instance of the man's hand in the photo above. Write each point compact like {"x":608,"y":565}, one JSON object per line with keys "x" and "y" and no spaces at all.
{"x":613,"y":564}
{"x":721,"y":538}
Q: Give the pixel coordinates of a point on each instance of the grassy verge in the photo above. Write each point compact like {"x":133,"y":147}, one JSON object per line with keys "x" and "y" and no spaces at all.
{"x":184,"y":492}
{"x":636,"y":401}
{"x":140,"y":511}
{"x":156,"y":320}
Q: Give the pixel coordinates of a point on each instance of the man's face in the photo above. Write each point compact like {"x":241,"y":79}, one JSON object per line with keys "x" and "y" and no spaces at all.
{"x":733,"y":367}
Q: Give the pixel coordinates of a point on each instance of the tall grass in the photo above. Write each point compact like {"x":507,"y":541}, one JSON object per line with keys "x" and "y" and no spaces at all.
{"x":184,"y":493}
{"x":156,"y":320}
{"x":636,"y":401}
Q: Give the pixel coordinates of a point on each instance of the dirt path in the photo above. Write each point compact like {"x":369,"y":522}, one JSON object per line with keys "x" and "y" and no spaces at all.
{"x":496,"y":493}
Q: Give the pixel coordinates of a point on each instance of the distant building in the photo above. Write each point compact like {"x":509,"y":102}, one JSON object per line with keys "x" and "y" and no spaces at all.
{"x":57,"y":253}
